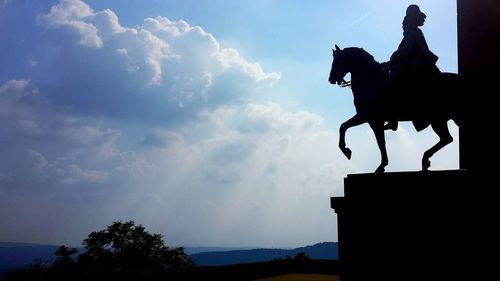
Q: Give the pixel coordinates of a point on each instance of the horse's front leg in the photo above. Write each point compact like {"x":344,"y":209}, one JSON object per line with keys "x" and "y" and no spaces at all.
{"x":378,"y":130}
{"x":354,"y":121}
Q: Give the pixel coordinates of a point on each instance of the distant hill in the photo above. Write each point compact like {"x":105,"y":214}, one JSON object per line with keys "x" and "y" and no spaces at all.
{"x":20,"y":255}
{"x":196,"y":250}
{"x":320,"y":251}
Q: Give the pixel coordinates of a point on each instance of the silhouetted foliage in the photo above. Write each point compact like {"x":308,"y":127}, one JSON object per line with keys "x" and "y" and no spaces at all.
{"x":301,"y":256}
{"x":120,"y":251}
{"x":64,"y":266}
{"x":64,"y":257}
{"x":126,"y":246}
{"x":35,"y":271}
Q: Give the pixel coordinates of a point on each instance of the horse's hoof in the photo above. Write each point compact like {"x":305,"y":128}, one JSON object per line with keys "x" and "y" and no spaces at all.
{"x":347,"y":152}
{"x":426,"y":163}
{"x":380,"y":170}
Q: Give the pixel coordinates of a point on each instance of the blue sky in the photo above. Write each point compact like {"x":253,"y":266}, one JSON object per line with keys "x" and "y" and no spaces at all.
{"x":211,"y":122}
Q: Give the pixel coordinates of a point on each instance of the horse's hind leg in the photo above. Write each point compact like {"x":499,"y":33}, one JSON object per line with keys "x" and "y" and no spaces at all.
{"x":441,"y":129}
{"x":378,"y":130}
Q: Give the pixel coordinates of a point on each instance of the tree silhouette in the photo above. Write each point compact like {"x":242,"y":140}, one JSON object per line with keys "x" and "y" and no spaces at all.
{"x":119,"y":252}
{"x":301,"y":256}
{"x":64,"y":255}
{"x":126,"y":246}
{"x":64,"y":266}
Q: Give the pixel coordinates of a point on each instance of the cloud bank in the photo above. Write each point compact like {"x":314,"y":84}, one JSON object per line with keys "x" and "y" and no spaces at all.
{"x":156,"y":123}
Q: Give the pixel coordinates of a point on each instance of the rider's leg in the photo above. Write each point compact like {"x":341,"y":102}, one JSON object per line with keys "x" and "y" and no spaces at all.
{"x":390,"y":97}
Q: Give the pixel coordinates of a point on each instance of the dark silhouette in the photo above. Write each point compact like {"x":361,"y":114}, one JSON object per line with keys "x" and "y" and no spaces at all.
{"x":438,"y":225}
{"x":64,"y":260}
{"x":116,"y":253}
{"x":410,"y":226}
{"x":64,"y":255}
{"x":412,"y":65}
{"x":64,"y":266}
{"x":440,"y":102}
{"x":125,"y":247}
{"x":240,"y":272}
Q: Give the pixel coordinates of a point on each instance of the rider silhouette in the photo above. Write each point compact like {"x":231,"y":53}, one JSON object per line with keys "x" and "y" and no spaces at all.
{"x":412,"y":65}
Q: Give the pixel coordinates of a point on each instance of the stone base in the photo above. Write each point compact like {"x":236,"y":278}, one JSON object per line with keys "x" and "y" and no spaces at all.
{"x":413,"y":225}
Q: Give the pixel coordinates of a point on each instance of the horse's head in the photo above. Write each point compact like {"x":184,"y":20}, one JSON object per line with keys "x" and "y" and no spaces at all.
{"x":339,"y":68}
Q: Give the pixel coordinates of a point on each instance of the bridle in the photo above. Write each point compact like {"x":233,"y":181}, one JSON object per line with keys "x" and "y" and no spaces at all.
{"x":349,"y":83}
{"x":345,"y":84}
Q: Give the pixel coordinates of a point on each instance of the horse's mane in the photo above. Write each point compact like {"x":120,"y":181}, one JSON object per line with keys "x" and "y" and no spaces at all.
{"x":363,"y":56}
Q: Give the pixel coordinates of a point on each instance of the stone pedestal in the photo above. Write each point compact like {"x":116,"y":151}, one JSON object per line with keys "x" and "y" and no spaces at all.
{"x":414,"y":225}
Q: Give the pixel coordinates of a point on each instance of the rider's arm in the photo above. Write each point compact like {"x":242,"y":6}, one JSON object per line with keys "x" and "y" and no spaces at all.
{"x":404,"y":49}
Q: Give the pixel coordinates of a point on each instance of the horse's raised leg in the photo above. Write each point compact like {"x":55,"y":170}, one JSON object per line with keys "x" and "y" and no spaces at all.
{"x":354,"y":121}
{"x":441,"y":129}
{"x":378,"y":130}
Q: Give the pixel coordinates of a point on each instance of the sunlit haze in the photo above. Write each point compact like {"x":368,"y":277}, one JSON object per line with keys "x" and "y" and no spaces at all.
{"x":210,"y":122}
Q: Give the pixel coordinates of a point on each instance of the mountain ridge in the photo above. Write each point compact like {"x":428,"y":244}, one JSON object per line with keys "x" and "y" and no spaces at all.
{"x":323,"y":250}
{"x":14,"y":255}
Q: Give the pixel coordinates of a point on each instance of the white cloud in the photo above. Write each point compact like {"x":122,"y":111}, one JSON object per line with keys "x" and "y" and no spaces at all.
{"x":239,"y":176}
{"x":73,"y":14}
{"x":38,"y":159}
{"x":230,"y":58}
{"x":19,"y":92}
{"x":74,"y":174}
{"x":110,"y":118}
{"x":14,"y":87}
{"x":183,"y":66}
{"x":220,"y":171}
{"x":155,"y":123}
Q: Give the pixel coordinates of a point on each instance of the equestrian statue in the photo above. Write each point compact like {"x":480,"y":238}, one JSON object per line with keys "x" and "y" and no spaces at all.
{"x":409,"y":87}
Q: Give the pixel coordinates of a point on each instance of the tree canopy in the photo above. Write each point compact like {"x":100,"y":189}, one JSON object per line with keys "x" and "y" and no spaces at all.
{"x":121,"y":249}
{"x":126,"y":246}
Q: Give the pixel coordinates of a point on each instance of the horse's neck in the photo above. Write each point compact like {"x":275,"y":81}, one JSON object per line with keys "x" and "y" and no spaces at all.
{"x":367,"y":81}
{"x":359,"y":74}
{"x":366,"y":71}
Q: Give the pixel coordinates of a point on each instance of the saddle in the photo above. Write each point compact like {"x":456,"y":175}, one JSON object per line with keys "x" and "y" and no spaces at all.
{"x":411,"y":99}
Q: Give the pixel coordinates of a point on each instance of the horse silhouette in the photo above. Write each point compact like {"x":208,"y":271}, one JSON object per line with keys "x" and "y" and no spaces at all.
{"x":424,"y":103}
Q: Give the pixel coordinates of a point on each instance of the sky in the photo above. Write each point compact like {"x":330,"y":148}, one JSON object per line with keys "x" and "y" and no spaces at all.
{"x":209,"y":122}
